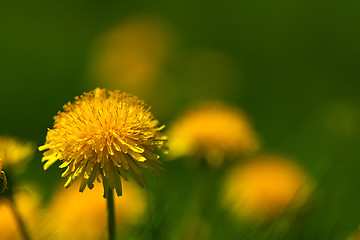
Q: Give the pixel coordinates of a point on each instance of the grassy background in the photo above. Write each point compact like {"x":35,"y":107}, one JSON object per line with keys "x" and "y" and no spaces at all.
{"x":298,"y":81}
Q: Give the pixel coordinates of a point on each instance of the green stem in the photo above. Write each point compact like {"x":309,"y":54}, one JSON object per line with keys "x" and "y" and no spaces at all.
{"x":111,"y":215}
{"x":19,"y":220}
{"x":190,"y":226}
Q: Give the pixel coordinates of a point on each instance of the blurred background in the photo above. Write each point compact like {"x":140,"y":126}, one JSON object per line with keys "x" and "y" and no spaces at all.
{"x":291,"y":66}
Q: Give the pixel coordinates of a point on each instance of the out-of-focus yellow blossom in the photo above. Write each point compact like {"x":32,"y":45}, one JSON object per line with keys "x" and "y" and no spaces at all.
{"x":355,"y":235}
{"x":212,"y":131}
{"x":104,"y":135}
{"x":131,"y":55}
{"x":265,"y":187}
{"x":15,"y":153}
{"x":27,"y":202}
{"x":83,"y":216}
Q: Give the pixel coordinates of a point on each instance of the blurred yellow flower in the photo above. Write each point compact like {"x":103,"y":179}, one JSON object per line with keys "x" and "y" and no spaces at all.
{"x":213,"y":131}
{"x":27,"y":202}
{"x":131,"y":55}
{"x":104,"y":135}
{"x":14,"y":152}
{"x":264,"y":188}
{"x":83,"y":216}
{"x":355,"y":235}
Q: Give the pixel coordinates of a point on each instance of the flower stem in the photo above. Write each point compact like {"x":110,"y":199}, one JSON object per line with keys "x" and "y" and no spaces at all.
{"x":9,"y":195}
{"x":111,"y":215}
{"x":19,"y":220}
{"x":192,"y":226}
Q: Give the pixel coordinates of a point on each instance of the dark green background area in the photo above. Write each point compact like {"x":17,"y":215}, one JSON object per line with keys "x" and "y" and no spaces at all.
{"x":299,"y":83}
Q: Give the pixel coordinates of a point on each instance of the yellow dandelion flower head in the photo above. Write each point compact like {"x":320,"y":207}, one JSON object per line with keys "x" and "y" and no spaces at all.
{"x":27,"y":200}
{"x":14,"y":152}
{"x":104,"y":135}
{"x":265,"y":187}
{"x":88,"y":213}
{"x":213,"y":131}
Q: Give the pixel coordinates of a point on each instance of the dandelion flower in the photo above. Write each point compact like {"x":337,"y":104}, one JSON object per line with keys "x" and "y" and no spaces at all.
{"x":132,"y":54}
{"x":14,"y":152}
{"x":91,"y":224}
{"x":264,"y":187}
{"x":104,"y":135}
{"x":213,"y":131}
{"x":27,"y":201}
